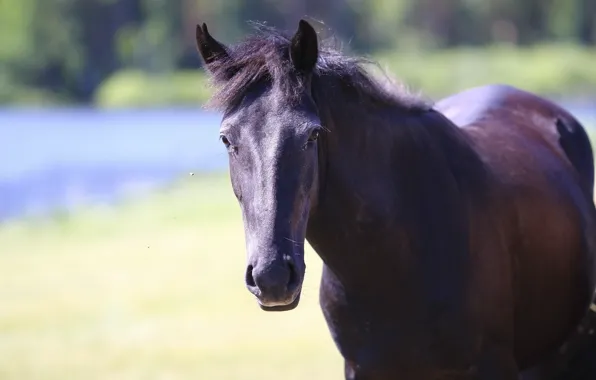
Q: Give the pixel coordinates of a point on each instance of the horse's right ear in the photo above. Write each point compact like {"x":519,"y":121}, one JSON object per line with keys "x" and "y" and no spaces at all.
{"x":209,"y":48}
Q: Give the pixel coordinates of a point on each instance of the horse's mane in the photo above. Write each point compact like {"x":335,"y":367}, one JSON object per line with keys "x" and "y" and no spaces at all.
{"x":263,"y":58}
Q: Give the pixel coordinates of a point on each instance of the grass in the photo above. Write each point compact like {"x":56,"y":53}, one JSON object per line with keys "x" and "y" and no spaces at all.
{"x":152,"y":289}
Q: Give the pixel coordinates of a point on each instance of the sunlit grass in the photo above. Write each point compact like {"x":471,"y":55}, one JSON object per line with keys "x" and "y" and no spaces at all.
{"x":152,"y":289}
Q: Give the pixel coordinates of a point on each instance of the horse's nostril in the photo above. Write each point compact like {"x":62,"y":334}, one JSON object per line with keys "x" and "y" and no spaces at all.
{"x":275,"y":283}
{"x":250,"y":281}
{"x":293,"y":281}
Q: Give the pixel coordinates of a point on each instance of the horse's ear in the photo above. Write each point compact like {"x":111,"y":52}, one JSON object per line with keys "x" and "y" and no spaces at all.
{"x":209,"y":48}
{"x":304,"y":49}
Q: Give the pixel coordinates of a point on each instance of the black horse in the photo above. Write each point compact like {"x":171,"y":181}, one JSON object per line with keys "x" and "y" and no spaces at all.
{"x":458,"y":239}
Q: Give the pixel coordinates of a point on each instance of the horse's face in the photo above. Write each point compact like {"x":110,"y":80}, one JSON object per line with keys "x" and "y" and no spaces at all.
{"x":273,"y":168}
{"x":273,"y":162}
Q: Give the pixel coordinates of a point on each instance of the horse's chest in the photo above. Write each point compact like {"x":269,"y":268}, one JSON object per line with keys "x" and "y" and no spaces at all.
{"x":365,"y":336}
{"x":362,"y":347}
{"x":374,"y":352}
{"x":386,"y":336}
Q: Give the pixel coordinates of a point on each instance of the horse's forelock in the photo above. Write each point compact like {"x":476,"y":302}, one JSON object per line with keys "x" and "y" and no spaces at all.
{"x":263,"y":57}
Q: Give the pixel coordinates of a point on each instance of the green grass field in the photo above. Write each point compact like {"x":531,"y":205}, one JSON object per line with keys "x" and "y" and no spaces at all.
{"x":150,"y":289}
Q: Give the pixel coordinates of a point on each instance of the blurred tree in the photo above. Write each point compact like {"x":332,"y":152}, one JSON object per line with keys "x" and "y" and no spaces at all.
{"x":49,"y":53}
{"x":586,"y":15}
{"x":102,"y":23}
{"x":72,"y":46}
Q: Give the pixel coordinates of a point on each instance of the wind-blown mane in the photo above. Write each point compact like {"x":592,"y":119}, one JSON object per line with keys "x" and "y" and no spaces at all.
{"x":263,"y":58}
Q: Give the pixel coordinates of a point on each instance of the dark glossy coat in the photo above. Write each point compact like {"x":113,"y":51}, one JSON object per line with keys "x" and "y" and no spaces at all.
{"x":458,"y":239}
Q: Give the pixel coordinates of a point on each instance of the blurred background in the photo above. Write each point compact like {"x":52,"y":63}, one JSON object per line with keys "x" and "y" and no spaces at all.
{"x":121,"y":244}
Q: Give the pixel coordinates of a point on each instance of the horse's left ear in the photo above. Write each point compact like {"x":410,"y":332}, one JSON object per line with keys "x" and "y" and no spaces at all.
{"x":304,"y":49}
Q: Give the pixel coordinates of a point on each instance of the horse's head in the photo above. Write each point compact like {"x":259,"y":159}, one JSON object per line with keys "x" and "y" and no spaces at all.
{"x":270,"y":130}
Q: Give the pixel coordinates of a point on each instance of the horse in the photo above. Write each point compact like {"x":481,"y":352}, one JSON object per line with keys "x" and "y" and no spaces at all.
{"x":458,"y":237}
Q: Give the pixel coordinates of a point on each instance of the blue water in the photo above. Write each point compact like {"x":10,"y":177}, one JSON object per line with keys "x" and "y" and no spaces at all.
{"x":61,"y":158}
{"x":56,"y":159}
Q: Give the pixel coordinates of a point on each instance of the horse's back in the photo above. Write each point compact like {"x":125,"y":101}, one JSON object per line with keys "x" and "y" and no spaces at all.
{"x":524,"y":138}
{"x":503,"y":107}
{"x":542,"y":161}
{"x":471,"y":105}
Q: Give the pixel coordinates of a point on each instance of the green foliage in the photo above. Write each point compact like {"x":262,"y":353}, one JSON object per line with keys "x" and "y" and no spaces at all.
{"x":18,"y":94}
{"x":16,"y":40}
{"x":71,"y":47}
{"x":545,"y":69}
{"x":135,"y":88}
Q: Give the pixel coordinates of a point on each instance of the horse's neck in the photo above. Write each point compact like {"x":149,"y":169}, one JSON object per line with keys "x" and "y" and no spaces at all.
{"x":357,"y":200}
{"x":370,"y":153}
{"x":391,"y":194}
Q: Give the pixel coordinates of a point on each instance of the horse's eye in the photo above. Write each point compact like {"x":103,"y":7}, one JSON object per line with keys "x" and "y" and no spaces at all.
{"x":225,"y":140}
{"x":314,"y":135}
